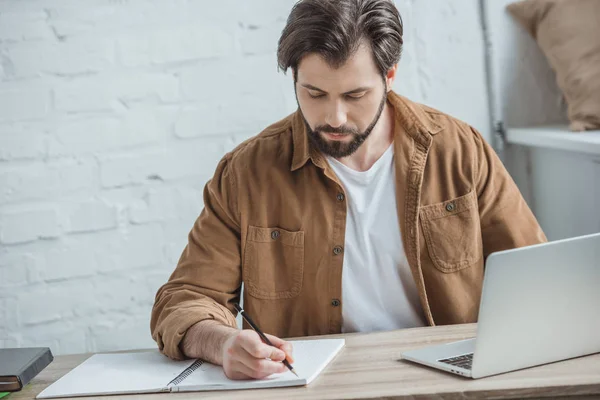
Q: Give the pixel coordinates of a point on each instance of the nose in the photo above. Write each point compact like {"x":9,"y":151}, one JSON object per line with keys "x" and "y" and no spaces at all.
{"x":336,"y":115}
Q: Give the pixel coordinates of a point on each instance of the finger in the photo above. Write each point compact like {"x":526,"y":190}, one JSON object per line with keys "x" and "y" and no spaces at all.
{"x":234,"y":370}
{"x":257,"y":349}
{"x":277,"y":342}
{"x":288,"y":350}
{"x":285,"y":346}
{"x":258,"y":368}
{"x":240,"y":371}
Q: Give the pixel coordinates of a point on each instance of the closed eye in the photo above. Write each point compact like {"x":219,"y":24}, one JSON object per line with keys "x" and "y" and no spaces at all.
{"x":315,"y":96}
{"x":355,"y":96}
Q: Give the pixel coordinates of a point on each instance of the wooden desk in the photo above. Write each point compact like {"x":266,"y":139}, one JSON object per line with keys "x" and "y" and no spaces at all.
{"x":369,"y":368}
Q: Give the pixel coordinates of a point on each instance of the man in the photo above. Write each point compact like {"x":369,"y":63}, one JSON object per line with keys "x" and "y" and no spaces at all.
{"x":362,"y":211}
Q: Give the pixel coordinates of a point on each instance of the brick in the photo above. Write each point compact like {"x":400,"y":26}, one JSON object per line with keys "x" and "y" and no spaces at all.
{"x":5,"y":68}
{"x":28,"y":25}
{"x":198,"y":82}
{"x":174,"y":250}
{"x":117,"y":19}
{"x":249,"y":119}
{"x":131,"y":335}
{"x":135,"y":51}
{"x":110,"y":91}
{"x":6,"y":342}
{"x":21,"y":141}
{"x":63,"y":58}
{"x":69,"y":261}
{"x":58,"y":302}
{"x":154,"y":279}
{"x":94,"y":135}
{"x":192,"y":158}
{"x":123,"y":293}
{"x":154,"y":207}
{"x":176,"y":45}
{"x":10,"y":311}
{"x":131,"y":169}
{"x":127,"y":249}
{"x":192,"y":43}
{"x":24,"y":103}
{"x":139,"y":246}
{"x":15,"y":268}
{"x":167,"y":203}
{"x":49,"y":336}
{"x":73,"y":342}
{"x":37,"y":5}
{"x":202,"y":120}
{"x":264,"y":12}
{"x":261,"y":40}
{"x":254,"y":116}
{"x":91,"y":20}
{"x":28,"y":224}
{"x":84,"y":135}
{"x":39,"y":181}
{"x":177,"y":230}
{"x":64,"y":337}
{"x":10,"y":277}
{"x":248,"y":76}
{"x":103,"y":18}
{"x":91,"y":216}
{"x":122,"y":197}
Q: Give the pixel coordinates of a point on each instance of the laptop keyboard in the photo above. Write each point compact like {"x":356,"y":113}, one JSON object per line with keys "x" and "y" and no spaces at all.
{"x":465,"y":361}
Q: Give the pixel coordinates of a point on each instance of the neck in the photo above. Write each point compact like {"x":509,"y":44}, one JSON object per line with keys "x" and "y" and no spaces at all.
{"x":376,"y":144}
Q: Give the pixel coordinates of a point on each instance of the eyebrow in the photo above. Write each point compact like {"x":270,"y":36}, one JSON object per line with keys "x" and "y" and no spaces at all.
{"x":353,"y":91}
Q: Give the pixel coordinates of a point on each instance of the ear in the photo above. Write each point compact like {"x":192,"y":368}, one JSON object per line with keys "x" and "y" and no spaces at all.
{"x":390,"y":77}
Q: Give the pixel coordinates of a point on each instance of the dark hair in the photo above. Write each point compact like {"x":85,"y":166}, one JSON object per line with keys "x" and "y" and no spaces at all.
{"x":335,"y":28}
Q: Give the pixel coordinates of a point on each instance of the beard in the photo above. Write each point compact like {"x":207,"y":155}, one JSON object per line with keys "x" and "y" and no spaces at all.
{"x":341,"y":149}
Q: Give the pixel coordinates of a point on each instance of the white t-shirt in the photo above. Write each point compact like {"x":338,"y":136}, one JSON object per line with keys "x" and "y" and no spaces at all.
{"x":378,"y":290}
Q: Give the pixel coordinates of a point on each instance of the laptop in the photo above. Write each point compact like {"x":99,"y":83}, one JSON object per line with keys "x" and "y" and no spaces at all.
{"x":539,"y":304}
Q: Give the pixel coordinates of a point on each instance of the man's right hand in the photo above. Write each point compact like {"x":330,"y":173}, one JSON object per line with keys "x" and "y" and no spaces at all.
{"x":246,"y":356}
{"x":242,"y":353}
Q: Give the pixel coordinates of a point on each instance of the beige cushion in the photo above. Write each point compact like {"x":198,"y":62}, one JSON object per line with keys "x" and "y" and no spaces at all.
{"x":568,"y":32}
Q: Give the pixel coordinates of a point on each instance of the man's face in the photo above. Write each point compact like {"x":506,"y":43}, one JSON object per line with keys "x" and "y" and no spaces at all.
{"x":340,"y":106}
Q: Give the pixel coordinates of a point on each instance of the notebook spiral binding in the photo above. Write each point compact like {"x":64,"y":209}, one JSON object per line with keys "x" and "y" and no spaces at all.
{"x":187,"y":372}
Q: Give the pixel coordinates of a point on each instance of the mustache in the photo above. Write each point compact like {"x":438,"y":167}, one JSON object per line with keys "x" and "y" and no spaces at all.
{"x":338,"y":130}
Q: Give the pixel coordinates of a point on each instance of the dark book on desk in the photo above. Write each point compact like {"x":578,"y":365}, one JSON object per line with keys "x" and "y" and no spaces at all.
{"x":19,"y":366}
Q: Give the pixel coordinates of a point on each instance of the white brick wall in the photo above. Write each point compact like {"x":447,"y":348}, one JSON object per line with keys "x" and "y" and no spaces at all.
{"x":113,"y":114}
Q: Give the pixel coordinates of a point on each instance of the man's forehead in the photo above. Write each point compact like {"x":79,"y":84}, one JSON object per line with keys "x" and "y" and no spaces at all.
{"x":359,"y":70}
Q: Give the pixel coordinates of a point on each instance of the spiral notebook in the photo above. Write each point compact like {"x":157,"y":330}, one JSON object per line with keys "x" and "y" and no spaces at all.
{"x":152,"y":372}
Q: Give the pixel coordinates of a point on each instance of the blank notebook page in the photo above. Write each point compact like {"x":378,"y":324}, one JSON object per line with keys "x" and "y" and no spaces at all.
{"x":146,"y":372}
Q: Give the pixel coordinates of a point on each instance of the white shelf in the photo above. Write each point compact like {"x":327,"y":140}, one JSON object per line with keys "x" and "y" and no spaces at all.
{"x":556,"y":137}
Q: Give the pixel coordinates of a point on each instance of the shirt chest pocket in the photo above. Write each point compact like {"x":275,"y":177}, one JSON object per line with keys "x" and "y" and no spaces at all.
{"x":273,"y":263}
{"x":452,"y":231}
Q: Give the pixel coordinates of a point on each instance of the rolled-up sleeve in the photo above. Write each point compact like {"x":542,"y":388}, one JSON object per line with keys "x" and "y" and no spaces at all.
{"x":208,"y":275}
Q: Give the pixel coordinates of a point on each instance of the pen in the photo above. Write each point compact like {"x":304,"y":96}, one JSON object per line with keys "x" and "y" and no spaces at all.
{"x":262,"y":335}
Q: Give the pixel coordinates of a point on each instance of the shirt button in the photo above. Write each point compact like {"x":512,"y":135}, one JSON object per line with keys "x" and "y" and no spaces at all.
{"x":335,"y":302}
{"x":337,"y":250}
{"x":450,"y":207}
{"x":341,"y":197}
{"x":275,"y":235}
